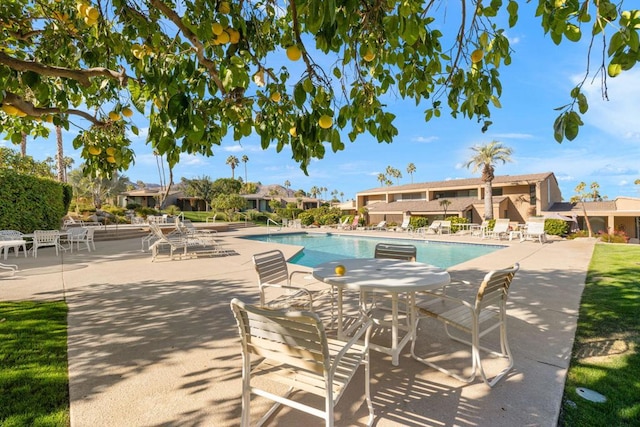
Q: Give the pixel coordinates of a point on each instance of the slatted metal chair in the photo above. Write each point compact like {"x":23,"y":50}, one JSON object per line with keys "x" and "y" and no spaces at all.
{"x":44,"y":238}
{"x":395,"y":251}
{"x":292,"y":348}
{"x":392,"y":251}
{"x":475,"y":319}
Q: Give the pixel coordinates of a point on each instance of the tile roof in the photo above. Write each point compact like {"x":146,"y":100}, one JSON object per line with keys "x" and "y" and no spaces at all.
{"x":464,"y":182}
{"x":458,"y":204}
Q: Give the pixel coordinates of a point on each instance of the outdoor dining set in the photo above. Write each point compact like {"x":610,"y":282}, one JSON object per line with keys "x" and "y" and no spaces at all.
{"x":289,"y":338}
{"x":61,"y":240}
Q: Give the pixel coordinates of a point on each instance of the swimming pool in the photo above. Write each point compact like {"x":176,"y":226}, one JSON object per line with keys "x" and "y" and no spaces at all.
{"x":319,"y":248}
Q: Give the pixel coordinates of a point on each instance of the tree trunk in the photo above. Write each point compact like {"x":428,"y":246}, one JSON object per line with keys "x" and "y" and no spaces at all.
{"x":23,"y":145}
{"x":60,"y":156}
{"x":488,"y":200}
{"x":586,"y":218}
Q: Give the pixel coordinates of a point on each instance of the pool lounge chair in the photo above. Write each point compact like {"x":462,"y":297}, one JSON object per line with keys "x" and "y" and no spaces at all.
{"x":354,"y":223}
{"x":534,"y":230}
{"x":405,"y":226}
{"x":381,"y":226}
{"x":500,"y":229}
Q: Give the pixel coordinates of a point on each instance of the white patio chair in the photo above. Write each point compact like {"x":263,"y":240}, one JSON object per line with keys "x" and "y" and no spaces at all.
{"x":291,"y":348}
{"x":475,"y":320}
{"x":80,"y":235}
{"x":273,"y":272}
{"x":45,"y":238}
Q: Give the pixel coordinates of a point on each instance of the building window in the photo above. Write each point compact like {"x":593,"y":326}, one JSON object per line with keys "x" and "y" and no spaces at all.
{"x":452,"y":194}
{"x":532,"y":194}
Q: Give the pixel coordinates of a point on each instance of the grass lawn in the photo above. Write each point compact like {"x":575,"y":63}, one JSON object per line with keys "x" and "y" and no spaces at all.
{"x":605,"y":354}
{"x":34,"y":385}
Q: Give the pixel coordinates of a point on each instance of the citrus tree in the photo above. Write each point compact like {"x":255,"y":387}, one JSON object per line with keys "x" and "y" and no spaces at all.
{"x":307,"y":74}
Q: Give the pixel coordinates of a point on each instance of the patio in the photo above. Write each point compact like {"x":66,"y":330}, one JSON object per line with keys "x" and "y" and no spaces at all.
{"x":156,"y":343}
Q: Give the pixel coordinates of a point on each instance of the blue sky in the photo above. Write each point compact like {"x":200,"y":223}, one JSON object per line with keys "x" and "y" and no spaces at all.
{"x":606,"y":151}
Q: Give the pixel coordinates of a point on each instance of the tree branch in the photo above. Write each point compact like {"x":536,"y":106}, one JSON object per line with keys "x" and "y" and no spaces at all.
{"x":197,"y":44}
{"x":33,"y":111}
{"x":81,"y":76}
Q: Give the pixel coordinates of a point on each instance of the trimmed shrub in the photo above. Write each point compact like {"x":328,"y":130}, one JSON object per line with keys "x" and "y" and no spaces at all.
{"x":556,"y":227}
{"x":30,"y":203}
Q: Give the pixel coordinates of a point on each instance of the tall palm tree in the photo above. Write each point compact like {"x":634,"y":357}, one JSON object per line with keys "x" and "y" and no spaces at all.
{"x":444,"y":203}
{"x":411,"y":169}
{"x":484,"y":158}
{"x":60,"y":156}
{"x":314,"y":191}
{"x":382,"y":178}
{"x":244,"y":160}
{"x":233,"y":162}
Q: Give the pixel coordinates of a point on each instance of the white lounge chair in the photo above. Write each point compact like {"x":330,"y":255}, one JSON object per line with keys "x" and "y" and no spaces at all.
{"x":292,"y":349}
{"x":405,"y":226}
{"x":381,"y":226}
{"x":534,"y":230}
{"x":500,"y":229}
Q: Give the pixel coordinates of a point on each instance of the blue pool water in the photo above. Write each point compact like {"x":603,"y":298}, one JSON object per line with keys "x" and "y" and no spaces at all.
{"x":319,"y":248}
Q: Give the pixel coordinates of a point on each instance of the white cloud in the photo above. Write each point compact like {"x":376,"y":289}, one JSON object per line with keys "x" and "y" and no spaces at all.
{"x":619,"y":115}
{"x":425,"y":139}
{"x":513,"y":136}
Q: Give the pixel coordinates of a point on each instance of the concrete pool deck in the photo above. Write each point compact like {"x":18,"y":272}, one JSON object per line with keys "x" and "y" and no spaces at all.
{"x":155,"y":344}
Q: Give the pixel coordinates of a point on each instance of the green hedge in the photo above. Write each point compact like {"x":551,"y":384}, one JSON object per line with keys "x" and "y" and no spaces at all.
{"x":29,"y":203}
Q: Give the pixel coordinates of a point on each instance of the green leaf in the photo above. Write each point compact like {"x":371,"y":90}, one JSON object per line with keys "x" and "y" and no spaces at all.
{"x":558,"y":128}
{"x":583,"y":104}
{"x":512,"y":8}
{"x":299,"y":95}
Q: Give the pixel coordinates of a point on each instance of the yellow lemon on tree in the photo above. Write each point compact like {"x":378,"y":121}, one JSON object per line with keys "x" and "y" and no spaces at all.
{"x":92,"y":13}
{"x":477,"y":55}
{"x":325,"y":121}
{"x":369,"y":56}
{"x":234,"y":35}
{"x":94,"y":151}
{"x":111,"y":151}
{"x":48,"y":119}
{"x":82,"y":8}
{"x":276,"y":97}
{"x":223,"y":38}
{"x":126,"y":111}
{"x":293,"y":131}
{"x":294,"y":53}
{"x":111,"y":159}
{"x":340,"y":270}
{"x":224,"y":7}
{"x":217,"y":28}
{"x":114,"y":116}
{"x":13,"y":111}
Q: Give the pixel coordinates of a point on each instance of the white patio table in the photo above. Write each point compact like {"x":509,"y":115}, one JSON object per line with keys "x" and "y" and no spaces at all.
{"x":5,"y":245}
{"x":389,"y":276}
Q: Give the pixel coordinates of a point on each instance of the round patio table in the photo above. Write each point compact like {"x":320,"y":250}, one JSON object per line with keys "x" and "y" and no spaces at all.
{"x":388,"y":276}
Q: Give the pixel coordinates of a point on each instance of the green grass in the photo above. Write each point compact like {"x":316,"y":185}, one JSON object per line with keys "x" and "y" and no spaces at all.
{"x":34,"y":384}
{"x":609,"y":329}
{"x":198,"y":216}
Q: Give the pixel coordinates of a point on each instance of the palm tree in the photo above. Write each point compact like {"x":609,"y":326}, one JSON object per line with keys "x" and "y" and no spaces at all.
{"x":382,"y":178}
{"x":60,"y":156}
{"x":444,"y":203}
{"x":314,"y":191}
{"x":484,"y":158}
{"x":411,"y":169}
{"x":244,"y":160}
{"x":582,"y":195}
{"x":233,"y":162}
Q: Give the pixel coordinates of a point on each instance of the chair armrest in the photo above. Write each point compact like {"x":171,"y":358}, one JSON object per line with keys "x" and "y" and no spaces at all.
{"x":445,"y":297}
{"x":295,"y":288}
{"x":364,"y":329}
{"x":307,"y":273}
